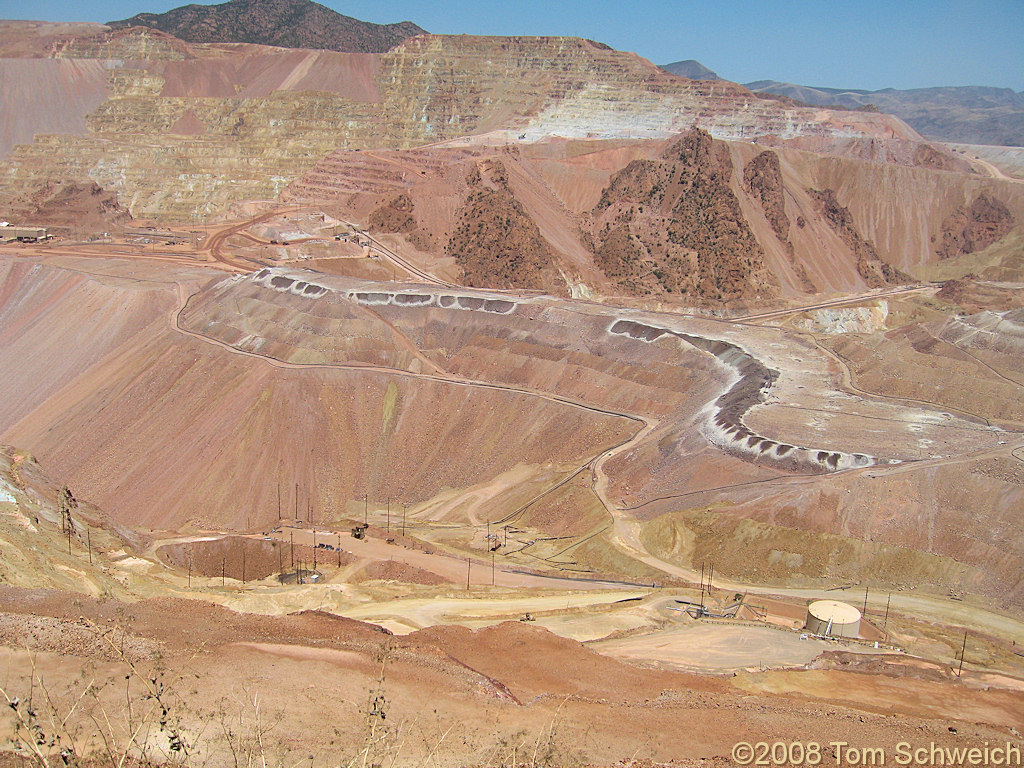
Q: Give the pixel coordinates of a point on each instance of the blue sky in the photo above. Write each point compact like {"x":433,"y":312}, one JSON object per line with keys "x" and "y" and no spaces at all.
{"x":866,"y":44}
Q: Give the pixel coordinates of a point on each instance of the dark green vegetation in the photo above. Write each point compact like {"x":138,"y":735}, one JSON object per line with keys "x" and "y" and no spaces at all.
{"x":284,"y":23}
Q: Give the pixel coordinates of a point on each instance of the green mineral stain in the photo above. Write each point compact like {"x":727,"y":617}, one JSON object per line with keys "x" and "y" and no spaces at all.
{"x":388,"y":409}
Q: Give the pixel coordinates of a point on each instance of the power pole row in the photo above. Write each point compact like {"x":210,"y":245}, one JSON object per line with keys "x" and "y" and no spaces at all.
{"x":703,"y":588}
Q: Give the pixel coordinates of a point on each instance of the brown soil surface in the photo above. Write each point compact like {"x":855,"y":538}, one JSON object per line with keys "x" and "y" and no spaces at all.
{"x":372,"y":411}
{"x":559,"y":183}
{"x":394,"y":216}
{"x":579,"y":457}
{"x":974,"y":296}
{"x":517,"y":684}
{"x":401,"y":572}
{"x":47,"y":96}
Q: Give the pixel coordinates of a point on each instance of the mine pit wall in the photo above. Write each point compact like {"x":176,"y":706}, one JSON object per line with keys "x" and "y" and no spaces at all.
{"x":723,"y":426}
{"x":723,"y":419}
{"x":159,"y":122}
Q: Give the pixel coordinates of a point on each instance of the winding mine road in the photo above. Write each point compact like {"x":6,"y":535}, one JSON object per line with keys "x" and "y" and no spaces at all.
{"x":625,"y":532}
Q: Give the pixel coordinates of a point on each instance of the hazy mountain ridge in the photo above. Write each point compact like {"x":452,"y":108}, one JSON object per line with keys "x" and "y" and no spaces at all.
{"x":969,"y":114}
{"x":692,"y":69}
{"x":283,"y":23}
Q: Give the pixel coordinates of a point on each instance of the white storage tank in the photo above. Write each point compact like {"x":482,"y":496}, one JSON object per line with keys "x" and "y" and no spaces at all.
{"x":833,"y":618}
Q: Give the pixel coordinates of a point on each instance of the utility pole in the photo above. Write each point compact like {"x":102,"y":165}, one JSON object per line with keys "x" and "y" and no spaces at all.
{"x":963,"y":651}
{"x":405,"y":510}
{"x":469,"y":567}
{"x":388,"y":529}
{"x":291,"y":537}
{"x":190,"y":572}
{"x":296,"y":501}
{"x":314,"y":548}
{"x":280,"y":555}
{"x":366,"y":511}
{"x":885,"y":621}
{"x":88,"y":535}
{"x":492,"y":567}
{"x":278,"y":499}
{"x":864,"y":613}
{"x":702,"y":585}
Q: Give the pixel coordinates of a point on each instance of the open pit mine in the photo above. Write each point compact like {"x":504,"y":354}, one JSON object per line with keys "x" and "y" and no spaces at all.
{"x":492,"y":401}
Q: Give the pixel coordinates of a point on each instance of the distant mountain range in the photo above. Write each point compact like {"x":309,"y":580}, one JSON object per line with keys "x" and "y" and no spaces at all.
{"x":965,"y":114}
{"x":284,"y":23}
{"x":691,"y":69}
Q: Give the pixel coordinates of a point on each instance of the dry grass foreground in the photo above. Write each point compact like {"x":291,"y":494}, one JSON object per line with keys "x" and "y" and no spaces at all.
{"x":170,"y":681}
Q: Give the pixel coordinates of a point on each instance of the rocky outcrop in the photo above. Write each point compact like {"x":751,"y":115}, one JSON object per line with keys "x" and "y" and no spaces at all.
{"x":673,"y":225}
{"x":620,"y":255}
{"x":284,"y":23}
{"x":875,"y":272}
{"x":974,"y":227}
{"x":762,"y":177}
{"x":396,"y":215}
{"x":495,"y":242}
{"x":77,"y":208}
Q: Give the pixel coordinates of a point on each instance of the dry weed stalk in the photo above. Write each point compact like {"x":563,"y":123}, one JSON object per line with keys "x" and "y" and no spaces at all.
{"x":50,"y":733}
{"x":41,"y":734}
{"x":147,"y":729}
{"x":246,"y":745}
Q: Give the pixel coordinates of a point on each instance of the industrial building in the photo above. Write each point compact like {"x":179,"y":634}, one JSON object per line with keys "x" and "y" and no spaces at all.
{"x":24,"y":234}
{"x":831,"y":618}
